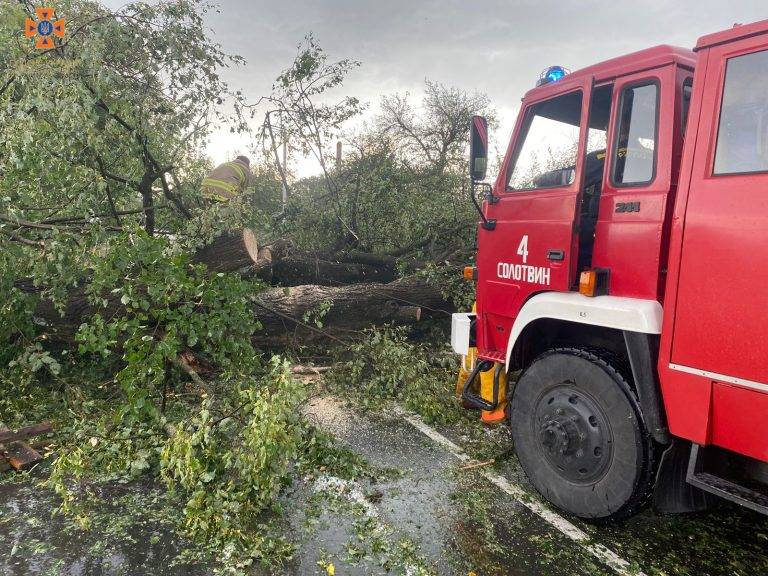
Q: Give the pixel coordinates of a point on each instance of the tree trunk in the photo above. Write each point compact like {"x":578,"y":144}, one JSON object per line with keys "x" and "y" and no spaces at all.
{"x":306,"y":314}
{"x":303,"y":268}
{"x":278,"y":263}
{"x":319,"y":314}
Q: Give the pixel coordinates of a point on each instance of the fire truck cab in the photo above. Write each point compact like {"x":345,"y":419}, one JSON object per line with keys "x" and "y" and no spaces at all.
{"x":622,"y":272}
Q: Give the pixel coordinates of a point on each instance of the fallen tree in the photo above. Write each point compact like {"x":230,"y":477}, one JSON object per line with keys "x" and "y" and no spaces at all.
{"x":279,"y":262}
{"x":319,"y":296}
{"x":307,"y":313}
{"x":315,"y":313}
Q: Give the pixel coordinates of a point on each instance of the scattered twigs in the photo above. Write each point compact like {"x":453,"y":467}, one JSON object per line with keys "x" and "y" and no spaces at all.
{"x":476,"y":464}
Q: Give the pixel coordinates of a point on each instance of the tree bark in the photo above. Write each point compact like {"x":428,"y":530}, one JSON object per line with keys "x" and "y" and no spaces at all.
{"x":320,"y":314}
{"x":306,"y":268}
{"x":279,"y":263}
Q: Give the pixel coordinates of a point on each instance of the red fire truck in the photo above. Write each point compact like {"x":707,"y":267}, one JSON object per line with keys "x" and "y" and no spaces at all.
{"x":622,"y":271}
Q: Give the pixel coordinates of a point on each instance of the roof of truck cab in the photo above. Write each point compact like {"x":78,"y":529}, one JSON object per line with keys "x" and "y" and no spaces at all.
{"x":623,"y":65}
{"x":738,"y":32}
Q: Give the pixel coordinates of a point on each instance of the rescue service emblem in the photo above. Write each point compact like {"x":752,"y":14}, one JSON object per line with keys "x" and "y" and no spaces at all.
{"x":44,"y":28}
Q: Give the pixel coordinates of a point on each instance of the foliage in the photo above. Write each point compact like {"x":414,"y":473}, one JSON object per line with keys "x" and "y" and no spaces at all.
{"x":305,"y":122}
{"x":166,"y":305}
{"x":437,"y":135}
{"x":450,"y":279}
{"x":387,"y":365}
{"x":225,"y":457}
{"x":17,"y":331}
{"x":230,"y":471}
{"x":402,"y":190}
{"x":94,"y":131}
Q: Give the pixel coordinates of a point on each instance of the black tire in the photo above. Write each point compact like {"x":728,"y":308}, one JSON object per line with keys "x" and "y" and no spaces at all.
{"x":580,"y":436}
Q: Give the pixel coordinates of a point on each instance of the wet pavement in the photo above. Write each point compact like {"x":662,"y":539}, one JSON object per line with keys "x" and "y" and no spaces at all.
{"x":458,"y":522}
{"x":35,"y":541}
{"x":463,"y":523}
{"x":422,"y":512}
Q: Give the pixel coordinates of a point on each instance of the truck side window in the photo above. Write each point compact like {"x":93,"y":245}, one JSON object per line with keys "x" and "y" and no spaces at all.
{"x":742,"y":137}
{"x":547,"y":146}
{"x":634,"y":155}
{"x":686,"y":102}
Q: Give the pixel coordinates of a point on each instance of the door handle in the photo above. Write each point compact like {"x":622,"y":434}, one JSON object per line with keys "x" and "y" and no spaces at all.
{"x":556,"y":255}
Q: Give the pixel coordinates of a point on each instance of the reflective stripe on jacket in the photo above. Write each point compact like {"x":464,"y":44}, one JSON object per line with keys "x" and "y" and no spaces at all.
{"x":226,"y":181}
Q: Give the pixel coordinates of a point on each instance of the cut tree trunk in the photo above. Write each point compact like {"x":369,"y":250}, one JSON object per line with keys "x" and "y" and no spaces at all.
{"x":279,"y":263}
{"x":230,"y":252}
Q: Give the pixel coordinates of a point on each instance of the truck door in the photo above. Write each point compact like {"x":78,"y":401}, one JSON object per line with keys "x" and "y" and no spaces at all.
{"x":533,"y":246}
{"x":717,"y":385}
{"x":722,"y":303}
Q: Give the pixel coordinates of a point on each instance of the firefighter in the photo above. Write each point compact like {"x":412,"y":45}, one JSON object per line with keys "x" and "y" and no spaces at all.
{"x":227,"y":181}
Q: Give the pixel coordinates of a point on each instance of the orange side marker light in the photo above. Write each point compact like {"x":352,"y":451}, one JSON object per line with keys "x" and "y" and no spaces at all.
{"x":588,"y":282}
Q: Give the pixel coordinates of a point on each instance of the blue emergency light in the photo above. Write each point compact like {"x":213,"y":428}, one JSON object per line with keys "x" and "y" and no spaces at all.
{"x":552,"y":74}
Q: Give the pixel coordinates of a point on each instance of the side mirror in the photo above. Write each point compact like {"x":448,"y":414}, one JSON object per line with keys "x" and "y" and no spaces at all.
{"x":478,"y":148}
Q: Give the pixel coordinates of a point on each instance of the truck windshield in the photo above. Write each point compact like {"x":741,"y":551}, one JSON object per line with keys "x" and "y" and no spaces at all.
{"x":546,"y":149}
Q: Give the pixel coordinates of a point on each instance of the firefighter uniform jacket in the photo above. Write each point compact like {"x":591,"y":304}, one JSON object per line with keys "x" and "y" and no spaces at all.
{"x":226,"y":181}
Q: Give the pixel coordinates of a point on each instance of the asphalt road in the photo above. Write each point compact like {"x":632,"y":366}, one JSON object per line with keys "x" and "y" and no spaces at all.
{"x":489,"y":520}
{"x":425,"y":508}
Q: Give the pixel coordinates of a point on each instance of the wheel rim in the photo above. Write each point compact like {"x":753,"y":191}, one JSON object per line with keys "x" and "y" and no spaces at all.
{"x":573,"y":433}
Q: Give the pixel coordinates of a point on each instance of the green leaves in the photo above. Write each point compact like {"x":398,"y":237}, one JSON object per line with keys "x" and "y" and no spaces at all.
{"x":387,"y":365}
{"x":229,"y":470}
{"x":129,"y":93}
{"x":35,"y":359}
{"x":163,"y":304}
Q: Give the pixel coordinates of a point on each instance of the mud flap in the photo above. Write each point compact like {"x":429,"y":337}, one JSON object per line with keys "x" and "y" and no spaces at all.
{"x":672,"y":493}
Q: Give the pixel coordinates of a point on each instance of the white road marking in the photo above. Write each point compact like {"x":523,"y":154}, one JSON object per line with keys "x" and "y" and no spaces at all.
{"x":567,"y":528}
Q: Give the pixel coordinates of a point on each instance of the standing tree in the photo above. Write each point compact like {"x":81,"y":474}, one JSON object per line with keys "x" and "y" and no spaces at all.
{"x":437,"y":136}
{"x":306,"y":122}
{"x":402,"y":186}
{"x":110,"y":122}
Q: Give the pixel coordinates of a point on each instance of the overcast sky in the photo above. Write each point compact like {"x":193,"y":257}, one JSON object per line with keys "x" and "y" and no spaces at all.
{"x":496,"y":47}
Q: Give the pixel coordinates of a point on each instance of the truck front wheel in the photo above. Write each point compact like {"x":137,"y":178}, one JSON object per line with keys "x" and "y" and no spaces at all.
{"x":580,"y":437}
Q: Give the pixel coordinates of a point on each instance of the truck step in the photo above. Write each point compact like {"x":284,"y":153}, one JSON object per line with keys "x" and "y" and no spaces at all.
{"x":722,"y":487}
